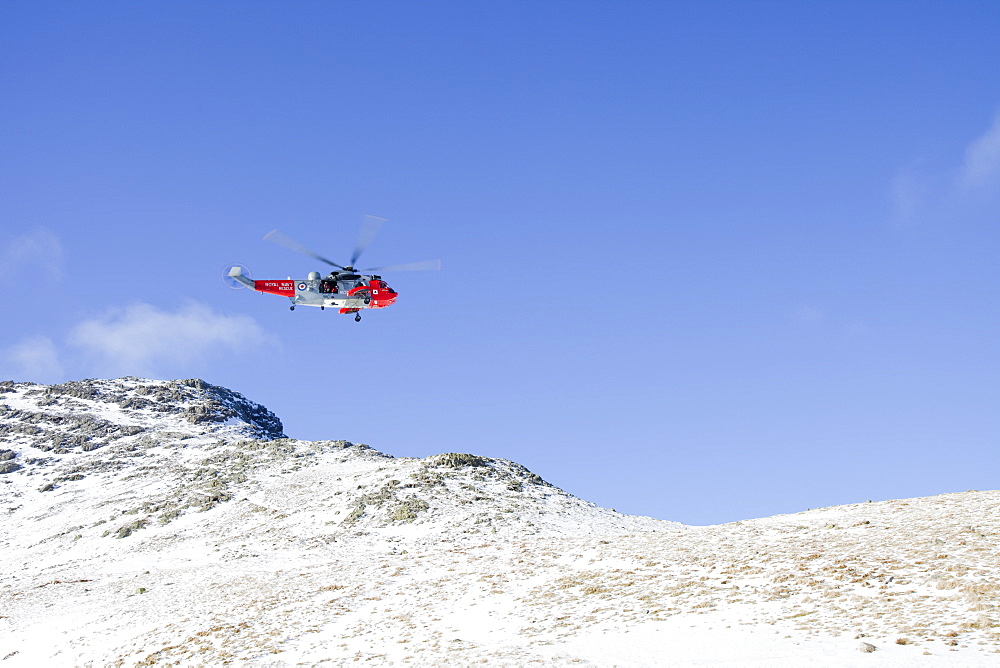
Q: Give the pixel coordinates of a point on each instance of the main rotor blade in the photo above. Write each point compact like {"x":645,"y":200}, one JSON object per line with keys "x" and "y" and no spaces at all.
{"x":426,"y":265}
{"x":369,"y":228}
{"x":276,"y":237}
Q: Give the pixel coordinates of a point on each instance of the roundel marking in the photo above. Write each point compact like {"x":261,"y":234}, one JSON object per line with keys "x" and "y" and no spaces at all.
{"x":302,"y":286}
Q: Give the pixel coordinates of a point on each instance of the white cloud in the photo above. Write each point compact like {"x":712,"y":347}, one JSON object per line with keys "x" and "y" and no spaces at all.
{"x":37,"y":251}
{"x":968,"y":189}
{"x":144,"y":340}
{"x":35,"y":359}
{"x":981,"y":169}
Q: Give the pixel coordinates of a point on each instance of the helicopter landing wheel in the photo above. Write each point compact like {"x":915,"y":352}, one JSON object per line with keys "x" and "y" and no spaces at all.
{"x":322,"y":308}
{"x":357,"y":318}
{"x":291,"y":308}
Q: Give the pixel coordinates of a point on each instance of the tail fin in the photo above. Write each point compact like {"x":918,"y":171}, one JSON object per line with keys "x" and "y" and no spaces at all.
{"x":236,"y":273}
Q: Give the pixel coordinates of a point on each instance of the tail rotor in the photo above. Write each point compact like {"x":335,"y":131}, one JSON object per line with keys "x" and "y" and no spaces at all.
{"x":228,"y":276}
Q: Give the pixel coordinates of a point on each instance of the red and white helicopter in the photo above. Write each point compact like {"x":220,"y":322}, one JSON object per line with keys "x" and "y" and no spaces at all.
{"x":346,"y":288}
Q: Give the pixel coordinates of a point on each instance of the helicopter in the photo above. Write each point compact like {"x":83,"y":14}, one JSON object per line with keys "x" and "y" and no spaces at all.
{"x":347,"y":289}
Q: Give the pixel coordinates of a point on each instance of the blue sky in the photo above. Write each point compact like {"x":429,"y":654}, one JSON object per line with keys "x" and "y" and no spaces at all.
{"x":703,"y":261}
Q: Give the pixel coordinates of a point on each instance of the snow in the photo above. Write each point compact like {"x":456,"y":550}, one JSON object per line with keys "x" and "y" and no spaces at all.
{"x":334,"y":552}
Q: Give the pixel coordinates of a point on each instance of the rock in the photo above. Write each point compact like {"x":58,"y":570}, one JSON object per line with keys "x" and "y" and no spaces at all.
{"x":456,"y":460}
{"x":866,"y":647}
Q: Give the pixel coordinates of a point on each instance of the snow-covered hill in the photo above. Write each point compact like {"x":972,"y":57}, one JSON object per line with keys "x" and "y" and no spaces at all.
{"x":160,"y":522}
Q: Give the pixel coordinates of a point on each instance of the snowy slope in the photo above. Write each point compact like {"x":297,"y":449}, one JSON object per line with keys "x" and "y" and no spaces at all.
{"x":164,"y":522}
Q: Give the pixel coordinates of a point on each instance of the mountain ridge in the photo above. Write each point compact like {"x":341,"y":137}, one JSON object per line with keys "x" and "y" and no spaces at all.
{"x":187,"y":446}
{"x":187,"y":528}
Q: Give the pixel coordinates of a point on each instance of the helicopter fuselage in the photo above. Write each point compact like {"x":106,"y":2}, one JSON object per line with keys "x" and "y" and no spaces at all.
{"x":348,"y":289}
{"x":344,"y":291}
